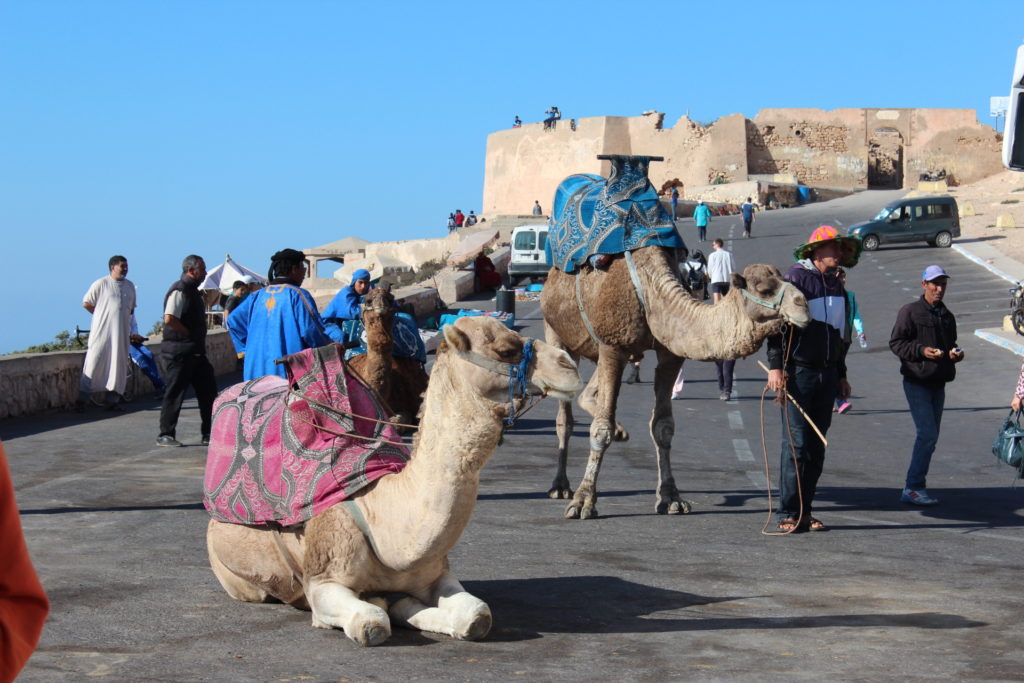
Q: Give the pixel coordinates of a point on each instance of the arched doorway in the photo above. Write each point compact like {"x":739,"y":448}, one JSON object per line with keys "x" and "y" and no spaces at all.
{"x":885,"y":159}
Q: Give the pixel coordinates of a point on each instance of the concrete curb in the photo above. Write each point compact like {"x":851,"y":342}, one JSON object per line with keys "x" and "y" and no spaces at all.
{"x":985,"y":264}
{"x":997,"y":337}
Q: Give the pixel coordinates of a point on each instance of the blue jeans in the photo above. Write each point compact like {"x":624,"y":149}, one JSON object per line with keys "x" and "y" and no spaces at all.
{"x":926,"y":403}
{"x":814,"y":390}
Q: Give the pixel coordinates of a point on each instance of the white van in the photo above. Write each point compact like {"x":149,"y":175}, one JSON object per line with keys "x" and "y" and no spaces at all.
{"x":527,"y":258}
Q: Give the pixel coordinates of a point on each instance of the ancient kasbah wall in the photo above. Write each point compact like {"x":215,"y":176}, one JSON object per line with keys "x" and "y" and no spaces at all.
{"x":846,"y":148}
{"x":526,"y":164}
{"x":817,"y":147}
{"x":952,"y":139}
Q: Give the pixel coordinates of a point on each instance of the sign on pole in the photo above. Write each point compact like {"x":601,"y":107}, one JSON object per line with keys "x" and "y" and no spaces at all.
{"x":999,"y":105}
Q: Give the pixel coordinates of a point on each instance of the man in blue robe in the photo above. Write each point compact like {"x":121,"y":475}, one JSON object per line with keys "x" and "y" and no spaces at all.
{"x":346,"y":306}
{"x":278,"y":320}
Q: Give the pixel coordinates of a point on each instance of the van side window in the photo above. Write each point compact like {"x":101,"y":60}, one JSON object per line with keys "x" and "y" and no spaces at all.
{"x":542,"y":239}
{"x":938,"y":211}
{"x":917,"y":212}
{"x":525,"y":241}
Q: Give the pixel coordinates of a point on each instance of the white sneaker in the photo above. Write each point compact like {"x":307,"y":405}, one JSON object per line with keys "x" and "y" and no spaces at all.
{"x":918,"y":497}
{"x":677,"y":395}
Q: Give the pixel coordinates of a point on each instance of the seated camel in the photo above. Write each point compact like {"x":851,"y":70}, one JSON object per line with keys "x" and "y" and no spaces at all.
{"x":398,"y":381}
{"x":393,"y":536}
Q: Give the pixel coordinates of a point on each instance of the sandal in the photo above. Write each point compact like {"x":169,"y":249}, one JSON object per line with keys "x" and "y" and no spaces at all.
{"x":788,"y":525}
{"x":816,"y":525}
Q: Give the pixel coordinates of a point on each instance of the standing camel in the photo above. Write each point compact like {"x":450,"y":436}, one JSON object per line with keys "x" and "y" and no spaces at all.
{"x":398,"y":381}
{"x":393,"y":536}
{"x":614,"y":292}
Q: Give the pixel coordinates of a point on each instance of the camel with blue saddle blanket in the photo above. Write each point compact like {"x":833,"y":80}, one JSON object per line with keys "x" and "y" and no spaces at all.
{"x":614,"y":292}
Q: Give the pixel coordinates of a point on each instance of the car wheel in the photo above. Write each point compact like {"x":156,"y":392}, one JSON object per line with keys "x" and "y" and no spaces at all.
{"x":870,"y":242}
{"x":943,"y":240}
{"x":1018,"y":321}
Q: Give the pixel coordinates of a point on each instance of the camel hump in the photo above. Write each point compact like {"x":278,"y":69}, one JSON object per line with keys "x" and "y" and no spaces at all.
{"x":597,"y":215}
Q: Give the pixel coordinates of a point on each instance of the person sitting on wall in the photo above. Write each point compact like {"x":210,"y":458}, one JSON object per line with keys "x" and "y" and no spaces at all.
{"x":486,"y":274}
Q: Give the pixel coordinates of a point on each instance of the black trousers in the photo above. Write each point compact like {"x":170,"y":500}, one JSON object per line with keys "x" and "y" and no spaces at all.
{"x":184,"y":370}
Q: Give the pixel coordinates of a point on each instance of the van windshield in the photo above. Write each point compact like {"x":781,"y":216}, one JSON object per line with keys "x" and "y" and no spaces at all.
{"x":883,"y":214}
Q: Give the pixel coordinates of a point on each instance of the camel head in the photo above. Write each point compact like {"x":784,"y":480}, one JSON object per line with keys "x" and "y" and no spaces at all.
{"x":768,"y":298}
{"x":379,"y":311}
{"x":491,"y":356}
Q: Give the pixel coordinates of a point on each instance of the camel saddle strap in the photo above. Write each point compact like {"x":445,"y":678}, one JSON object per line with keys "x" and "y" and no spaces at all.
{"x":360,"y":520}
{"x":583,"y":313}
{"x":635,"y":277}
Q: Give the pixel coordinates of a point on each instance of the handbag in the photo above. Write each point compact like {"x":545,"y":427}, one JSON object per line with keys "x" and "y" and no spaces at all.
{"x":1009,"y":444}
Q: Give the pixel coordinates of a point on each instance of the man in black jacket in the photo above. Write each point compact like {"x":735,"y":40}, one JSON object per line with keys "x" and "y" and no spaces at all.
{"x":184,"y":352}
{"x":924,"y":338}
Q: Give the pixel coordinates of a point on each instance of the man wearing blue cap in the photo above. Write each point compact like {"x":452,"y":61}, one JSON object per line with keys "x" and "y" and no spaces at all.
{"x":278,"y":320}
{"x":924,"y":338}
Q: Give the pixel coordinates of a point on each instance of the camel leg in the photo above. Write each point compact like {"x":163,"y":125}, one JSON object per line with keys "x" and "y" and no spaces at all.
{"x":337,"y":606}
{"x":600,"y":402}
{"x":236,"y":586}
{"x":663,"y":428}
{"x":564,"y":424}
{"x":452,"y":611}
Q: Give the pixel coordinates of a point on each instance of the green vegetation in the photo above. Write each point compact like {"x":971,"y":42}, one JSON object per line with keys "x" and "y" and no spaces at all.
{"x":1010,"y":201}
{"x":63,"y":341}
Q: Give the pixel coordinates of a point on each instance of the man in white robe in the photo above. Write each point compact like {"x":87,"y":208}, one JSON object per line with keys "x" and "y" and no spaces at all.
{"x":111,"y":300}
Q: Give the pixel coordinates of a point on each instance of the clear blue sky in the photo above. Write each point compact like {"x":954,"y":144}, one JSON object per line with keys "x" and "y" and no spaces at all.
{"x":157,"y":129}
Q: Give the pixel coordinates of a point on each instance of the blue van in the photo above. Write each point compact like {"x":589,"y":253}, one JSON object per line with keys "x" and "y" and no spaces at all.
{"x":935,"y":220}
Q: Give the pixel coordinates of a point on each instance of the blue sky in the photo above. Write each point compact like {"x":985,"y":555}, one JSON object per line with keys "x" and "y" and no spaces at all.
{"x":158,"y":129}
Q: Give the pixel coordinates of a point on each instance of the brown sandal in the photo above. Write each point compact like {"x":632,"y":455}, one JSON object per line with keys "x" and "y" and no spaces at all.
{"x":788,"y":525}
{"x":816,"y":525}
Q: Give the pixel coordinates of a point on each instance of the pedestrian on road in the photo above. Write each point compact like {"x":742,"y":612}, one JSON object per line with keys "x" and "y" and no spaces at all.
{"x":111,"y":301}
{"x":675,"y":202}
{"x":924,"y":339}
{"x":537,"y":211}
{"x":747,"y":209}
{"x":701,"y":218}
{"x":184,"y":352}
{"x":721,"y":266}
{"x":813,"y":374}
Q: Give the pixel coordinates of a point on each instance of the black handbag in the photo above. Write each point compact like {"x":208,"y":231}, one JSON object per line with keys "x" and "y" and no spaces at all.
{"x":1009,"y":444}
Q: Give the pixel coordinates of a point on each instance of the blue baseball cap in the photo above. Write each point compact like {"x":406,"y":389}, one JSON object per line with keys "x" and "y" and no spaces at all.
{"x":933,"y":273}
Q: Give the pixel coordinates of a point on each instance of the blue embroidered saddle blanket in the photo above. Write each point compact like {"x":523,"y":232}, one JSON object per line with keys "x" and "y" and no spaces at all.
{"x":595,"y":215}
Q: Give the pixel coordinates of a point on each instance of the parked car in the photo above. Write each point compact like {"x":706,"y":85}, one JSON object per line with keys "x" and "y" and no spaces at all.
{"x":527,"y":258}
{"x":935,"y":220}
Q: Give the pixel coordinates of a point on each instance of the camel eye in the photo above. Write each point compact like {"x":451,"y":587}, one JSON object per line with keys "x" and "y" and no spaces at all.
{"x":508,"y":353}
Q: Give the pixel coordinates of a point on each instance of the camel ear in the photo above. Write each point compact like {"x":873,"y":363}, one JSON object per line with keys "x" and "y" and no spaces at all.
{"x":456,"y":338}
{"x":738,"y":281}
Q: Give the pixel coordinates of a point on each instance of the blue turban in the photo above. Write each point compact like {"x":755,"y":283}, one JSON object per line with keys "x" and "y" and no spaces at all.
{"x":361,"y":274}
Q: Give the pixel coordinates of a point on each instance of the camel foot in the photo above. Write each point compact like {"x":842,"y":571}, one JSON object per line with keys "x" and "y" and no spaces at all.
{"x":476,"y":626}
{"x":556,"y":492}
{"x":580,"y":511}
{"x":674,"y":507}
{"x":620,"y":433}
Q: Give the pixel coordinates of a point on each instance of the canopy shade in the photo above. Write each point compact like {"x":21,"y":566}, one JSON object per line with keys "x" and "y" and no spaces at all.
{"x":472,"y":245}
{"x":225,"y":275}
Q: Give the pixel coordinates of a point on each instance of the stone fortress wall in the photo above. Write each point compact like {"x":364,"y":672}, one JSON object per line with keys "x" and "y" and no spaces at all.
{"x":843,"y":148}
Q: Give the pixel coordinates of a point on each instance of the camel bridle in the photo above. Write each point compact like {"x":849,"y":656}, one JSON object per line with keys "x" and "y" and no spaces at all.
{"x":517,"y":373}
{"x":775,"y":303}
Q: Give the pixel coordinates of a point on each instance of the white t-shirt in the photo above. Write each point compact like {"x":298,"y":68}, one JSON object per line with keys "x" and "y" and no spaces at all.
{"x":721,"y":265}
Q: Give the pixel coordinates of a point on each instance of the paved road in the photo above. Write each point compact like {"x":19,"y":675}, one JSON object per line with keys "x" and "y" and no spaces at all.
{"x":116,"y":530}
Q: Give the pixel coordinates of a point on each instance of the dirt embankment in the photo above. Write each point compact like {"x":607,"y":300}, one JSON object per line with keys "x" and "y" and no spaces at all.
{"x":1002,"y":193}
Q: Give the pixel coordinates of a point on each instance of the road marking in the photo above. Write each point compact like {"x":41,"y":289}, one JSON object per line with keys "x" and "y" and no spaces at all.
{"x":742,"y":448}
{"x":735,"y":420}
{"x":757,"y":479}
{"x":970,"y":531}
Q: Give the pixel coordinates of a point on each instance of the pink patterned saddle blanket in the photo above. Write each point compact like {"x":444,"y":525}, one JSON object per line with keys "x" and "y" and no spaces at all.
{"x":285,"y":456}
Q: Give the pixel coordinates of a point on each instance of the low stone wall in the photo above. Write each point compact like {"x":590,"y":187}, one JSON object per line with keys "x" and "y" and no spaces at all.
{"x":462,"y":283}
{"x":32,"y":383}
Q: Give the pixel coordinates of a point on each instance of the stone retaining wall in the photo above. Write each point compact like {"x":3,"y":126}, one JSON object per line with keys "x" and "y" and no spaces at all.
{"x":32,"y":383}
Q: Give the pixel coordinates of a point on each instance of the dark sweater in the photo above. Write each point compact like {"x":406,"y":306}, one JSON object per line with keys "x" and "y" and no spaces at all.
{"x":918,"y":325}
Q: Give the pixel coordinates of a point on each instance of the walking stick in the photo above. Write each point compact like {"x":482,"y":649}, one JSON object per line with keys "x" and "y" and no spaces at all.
{"x":806,"y":416}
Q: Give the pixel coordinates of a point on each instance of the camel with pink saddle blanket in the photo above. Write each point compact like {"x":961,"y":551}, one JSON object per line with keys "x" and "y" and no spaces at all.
{"x":394,"y":533}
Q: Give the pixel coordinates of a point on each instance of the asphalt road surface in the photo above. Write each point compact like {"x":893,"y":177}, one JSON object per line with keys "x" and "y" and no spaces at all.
{"x":116,"y":529}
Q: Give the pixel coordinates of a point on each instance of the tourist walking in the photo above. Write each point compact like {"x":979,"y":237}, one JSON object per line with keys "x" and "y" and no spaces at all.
{"x":721,"y":266}
{"x":747,"y":210}
{"x":111,"y":301}
{"x":184,"y":352}
{"x":924,"y":339}
{"x":701,"y":218}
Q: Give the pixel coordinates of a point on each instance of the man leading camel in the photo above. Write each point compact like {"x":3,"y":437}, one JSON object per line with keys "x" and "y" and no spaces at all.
{"x":811,"y":364}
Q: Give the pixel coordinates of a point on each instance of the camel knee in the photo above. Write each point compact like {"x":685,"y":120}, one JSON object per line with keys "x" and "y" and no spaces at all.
{"x":602,"y":432}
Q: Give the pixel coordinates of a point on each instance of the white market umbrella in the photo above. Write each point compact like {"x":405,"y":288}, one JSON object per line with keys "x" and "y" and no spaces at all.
{"x":225,"y":275}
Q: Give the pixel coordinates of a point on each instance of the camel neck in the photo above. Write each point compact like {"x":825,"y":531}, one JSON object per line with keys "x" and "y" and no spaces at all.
{"x":421,"y":511}
{"x":687,"y":327}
